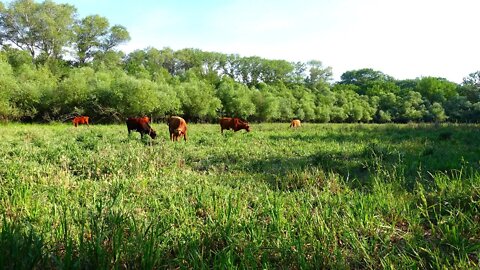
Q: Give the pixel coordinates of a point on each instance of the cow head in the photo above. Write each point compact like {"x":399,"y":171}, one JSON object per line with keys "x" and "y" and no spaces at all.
{"x":178,"y":132}
{"x":152,"y":133}
{"x":245,"y":126}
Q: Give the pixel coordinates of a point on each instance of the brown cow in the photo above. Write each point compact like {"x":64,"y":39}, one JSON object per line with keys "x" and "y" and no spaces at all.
{"x":233,"y":123}
{"x":295,"y":123}
{"x":140,"y":125}
{"x":80,"y":120}
{"x":177,"y":128}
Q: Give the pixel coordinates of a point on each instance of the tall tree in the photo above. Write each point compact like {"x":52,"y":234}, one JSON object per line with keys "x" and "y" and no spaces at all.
{"x":115,"y":36}
{"x":41,"y":28}
{"x":88,"y":34}
{"x":364,"y":79}
{"x":470,"y":87}
{"x":436,"y":89}
{"x":318,"y":76}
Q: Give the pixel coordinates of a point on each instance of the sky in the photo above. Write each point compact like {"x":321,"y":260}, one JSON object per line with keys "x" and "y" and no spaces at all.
{"x":405,"y":39}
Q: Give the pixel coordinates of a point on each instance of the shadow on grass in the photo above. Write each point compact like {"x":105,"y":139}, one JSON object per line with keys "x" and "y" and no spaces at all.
{"x":391,"y":153}
{"x":20,"y":249}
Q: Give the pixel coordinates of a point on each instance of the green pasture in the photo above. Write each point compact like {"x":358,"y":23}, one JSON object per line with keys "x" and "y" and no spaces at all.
{"x":323,"y":196}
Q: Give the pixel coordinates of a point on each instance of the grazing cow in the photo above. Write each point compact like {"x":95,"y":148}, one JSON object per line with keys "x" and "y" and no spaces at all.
{"x":80,"y":120}
{"x":233,"y":123}
{"x":140,"y":125}
{"x":295,"y":123}
{"x":177,"y":127}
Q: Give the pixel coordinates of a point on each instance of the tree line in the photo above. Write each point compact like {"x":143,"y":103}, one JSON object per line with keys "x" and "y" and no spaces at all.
{"x":54,"y":65}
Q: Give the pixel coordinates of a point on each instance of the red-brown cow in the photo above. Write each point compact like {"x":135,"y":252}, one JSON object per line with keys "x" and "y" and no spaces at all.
{"x":233,"y":123}
{"x":140,"y":125}
{"x":295,"y":123}
{"x":177,"y":128}
{"x":80,"y":120}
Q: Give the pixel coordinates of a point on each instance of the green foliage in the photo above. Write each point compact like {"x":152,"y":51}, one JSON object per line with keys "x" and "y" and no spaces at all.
{"x":88,"y":34}
{"x":411,"y":107}
{"x":236,"y":99}
{"x":136,"y":96}
{"x":16,"y":57}
{"x":75,"y":91}
{"x":38,"y":27}
{"x":437,"y":112}
{"x":38,"y":41}
{"x":8,"y":85}
{"x":266,"y":104}
{"x":365,"y":79}
{"x":198,"y":99}
{"x":436,"y":89}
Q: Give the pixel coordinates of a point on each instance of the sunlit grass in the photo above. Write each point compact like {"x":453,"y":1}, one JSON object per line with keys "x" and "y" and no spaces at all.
{"x":320,"y":196}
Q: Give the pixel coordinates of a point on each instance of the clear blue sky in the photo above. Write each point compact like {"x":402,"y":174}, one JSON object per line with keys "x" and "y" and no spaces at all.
{"x":402,"y":38}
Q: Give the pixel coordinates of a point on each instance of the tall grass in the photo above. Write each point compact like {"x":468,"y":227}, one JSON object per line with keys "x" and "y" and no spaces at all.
{"x":321,"y":196}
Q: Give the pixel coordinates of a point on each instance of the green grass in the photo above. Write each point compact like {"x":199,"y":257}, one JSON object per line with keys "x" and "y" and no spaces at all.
{"x":321,"y":196}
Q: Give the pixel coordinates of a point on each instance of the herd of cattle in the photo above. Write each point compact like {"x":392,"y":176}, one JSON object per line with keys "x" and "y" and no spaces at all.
{"x":176,"y":125}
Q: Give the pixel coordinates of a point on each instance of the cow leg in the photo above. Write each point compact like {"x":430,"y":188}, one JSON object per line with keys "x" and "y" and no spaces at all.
{"x":185,"y":136}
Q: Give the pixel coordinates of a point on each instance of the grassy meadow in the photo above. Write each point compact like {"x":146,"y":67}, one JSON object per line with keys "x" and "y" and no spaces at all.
{"x":323,"y":196}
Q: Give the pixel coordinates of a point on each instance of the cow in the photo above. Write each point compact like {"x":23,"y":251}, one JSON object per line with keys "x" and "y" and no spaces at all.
{"x":233,"y":123}
{"x":295,"y":123}
{"x":80,"y":120}
{"x":140,"y":125}
{"x":177,"y":128}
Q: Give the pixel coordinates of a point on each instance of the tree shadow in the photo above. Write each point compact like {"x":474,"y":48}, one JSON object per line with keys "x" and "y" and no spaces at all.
{"x":413,"y":153}
{"x":390,"y":153}
{"x":21,"y":248}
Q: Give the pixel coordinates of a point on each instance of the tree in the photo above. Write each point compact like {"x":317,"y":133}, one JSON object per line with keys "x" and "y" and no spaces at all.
{"x":411,"y":107}
{"x":88,"y":34}
{"x":198,"y":99}
{"x":364,"y":79}
{"x":236,"y":98}
{"x":325,"y":102}
{"x":437,"y":113}
{"x":17,"y":25}
{"x":266,"y":104}
{"x":168,"y":101}
{"x":55,"y":23}
{"x":304,"y":107}
{"x":16,"y":57}
{"x":458,"y":108}
{"x":274,"y":70}
{"x":34,"y":89}
{"x":436,"y":89}
{"x":38,"y":27}
{"x":318,"y":75}
{"x":108,"y":60}
{"x":115,"y":36}
{"x":470,"y":88}
{"x":75,"y":91}
{"x":136,"y":97}
{"x":8,"y":85}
